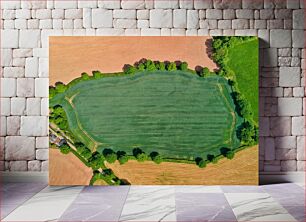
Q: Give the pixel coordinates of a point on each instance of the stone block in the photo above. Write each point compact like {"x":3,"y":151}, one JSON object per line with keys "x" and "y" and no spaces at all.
{"x":8,"y":24}
{"x":3,"y":132}
{"x":224,"y":24}
{"x":280,"y":38}
{"x":264,"y":38}
{"x":43,"y":68}
{"x":133,"y":4}
{"x":13,"y":125}
{"x":42,"y":154}
{"x":229,"y":14}
{"x":125,"y":23}
{"x":165,"y":4}
{"x":252,"y":4}
{"x":102,"y":18}
{"x":187,"y":4}
{"x":301,"y":148}
{"x":192,"y":19}
{"x":269,"y":148}
{"x":160,"y":18}
{"x":298,"y":38}
{"x":298,"y":19}
{"x":179,"y":18}
{"x":23,"y":13}
{"x":46,"y":24}
{"x":31,"y":67}
{"x":29,"y":38}
{"x":123,"y":13}
{"x":214,"y":14}
{"x":18,"y":106}
{"x":44,"y":107}
{"x":22,"y":53}
{"x":289,"y":76}
{"x":73,"y":13}
{"x":41,"y":87}
{"x":66,"y":4}
{"x":8,"y":14}
{"x":285,"y":142}
{"x":288,"y":165}
{"x":298,"y":126}
{"x":33,"y":4}
{"x":20,"y":63}
{"x":280,"y":126}
{"x":42,"y":142}
{"x":240,"y":24}
{"x":58,"y":13}
{"x":86,"y":18}
{"x":18,"y":166}
{"x":20,"y":23}
{"x":9,"y":38}
{"x":165,"y":32}
{"x":6,"y":57}
{"x":109,"y":4}
{"x":25,"y":87}
{"x":293,"y":4}
{"x":8,"y":87}
{"x":43,"y":14}
{"x":33,"y":106}
{"x":143,"y":14}
{"x":150,"y":32}
{"x":227,"y":4}
{"x":87,"y":4}
{"x":142,"y":23}
{"x":67,"y":24}
{"x":5,"y":106}
{"x":45,"y":165}
{"x":19,"y":148}
{"x":34,"y":126}
{"x":110,"y":31}
{"x":289,"y":106}
{"x":178,"y":32}
{"x":134,"y":32}
{"x":34,"y":165}
{"x":13,"y":72}
{"x":245,"y":14}
{"x":283,"y":14}
{"x":285,"y":154}
{"x":298,"y":92}
{"x":301,"y":166}
{"x":10,"y":4}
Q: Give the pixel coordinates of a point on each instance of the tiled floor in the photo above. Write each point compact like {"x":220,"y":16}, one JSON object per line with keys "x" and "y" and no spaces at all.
{"x":39,"y":202}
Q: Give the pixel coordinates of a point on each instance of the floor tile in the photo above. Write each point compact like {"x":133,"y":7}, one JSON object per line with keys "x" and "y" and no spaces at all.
{"x":290,"y":199}
{"x":203,"y":207}
{"x":149,"y":203}
{"x":298,"y":212}
{"x":257,"y":207}
{"x":241,"y":189}
{"x":106,"y":189}
{"x":22,"y":187}
{"x":283,"y":188}
{"x":198,"y":189}
{"x":96,"y":205}
{"x":47,"y":205}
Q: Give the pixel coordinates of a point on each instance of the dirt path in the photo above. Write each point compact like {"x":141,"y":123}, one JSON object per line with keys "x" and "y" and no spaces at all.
{"x":70,"y":56}
{"x":243,"y":170}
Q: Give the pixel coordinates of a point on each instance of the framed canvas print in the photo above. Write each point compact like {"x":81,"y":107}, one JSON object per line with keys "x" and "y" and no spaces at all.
{"x":153,"y":110}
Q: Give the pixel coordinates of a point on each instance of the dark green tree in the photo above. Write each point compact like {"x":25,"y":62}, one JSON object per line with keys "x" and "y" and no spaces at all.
{"x":85,"y":76}
{"x":97,"y":74}
{"x":156,"y":157}
{"x":171,"y":66}
{"x":65,"y":148}
{"x":202,"y":163}
{"x":184,"y":66}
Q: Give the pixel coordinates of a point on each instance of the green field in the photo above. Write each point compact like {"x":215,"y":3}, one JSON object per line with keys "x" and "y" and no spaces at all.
{"x":243,"y":60}
{"x":178,"y":114}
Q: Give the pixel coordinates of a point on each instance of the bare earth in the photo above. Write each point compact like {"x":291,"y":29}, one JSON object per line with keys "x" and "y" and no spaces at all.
{"x":70,"y":56}
{"x":67,"y":169}
{"x":242,"y":170}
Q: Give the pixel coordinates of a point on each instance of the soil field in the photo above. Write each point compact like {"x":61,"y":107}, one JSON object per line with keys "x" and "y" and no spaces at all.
{"x":242,"y":170}
{"x":177,"y":114}
{"x":67,"y":169}
{"x":70,"y":56}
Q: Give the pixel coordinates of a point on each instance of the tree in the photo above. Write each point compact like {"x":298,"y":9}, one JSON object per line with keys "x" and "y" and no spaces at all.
{"x":162,"y":66}
{"x":123,"y":159}
{"x":65,"y":148}
{"x":142,"y":157}
{"x":202,"y":163}
{"x":85,"y":76}
{"x":129,"y":69}
{"x":230,"y":155}
{"x":156,"y":157}
{"x":198,"y":70}
{"x":184,"y":66}
{"x":246,"y":133}
{"x":60,"y":87}
{"x":150,"y":66}
{"x":52,"y":92}
{"x":96,"y":74}
{"x":172,"y":66}
{"x":205,"y":72}
{"x":110,"y":155}
{"x":96,"y":161}
{"x":214,"y":160}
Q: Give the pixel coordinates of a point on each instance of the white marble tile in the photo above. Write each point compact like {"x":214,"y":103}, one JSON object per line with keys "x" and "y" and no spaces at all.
{"x":257,"y":207}
{"x":301,"y":185}
{"x":149,"y":203}
{"x":47,"y":205}
{"x":198,"y":189}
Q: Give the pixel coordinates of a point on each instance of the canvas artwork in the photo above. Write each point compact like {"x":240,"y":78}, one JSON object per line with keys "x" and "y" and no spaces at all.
{"x":153,"y":110}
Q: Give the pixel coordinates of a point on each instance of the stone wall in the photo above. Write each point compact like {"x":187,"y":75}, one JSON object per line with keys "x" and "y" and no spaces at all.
{"x":26,"y":26}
